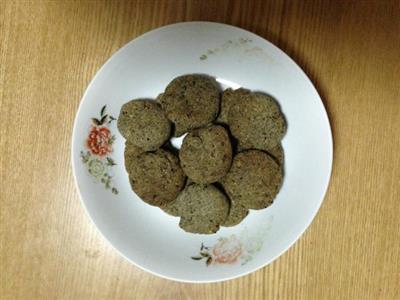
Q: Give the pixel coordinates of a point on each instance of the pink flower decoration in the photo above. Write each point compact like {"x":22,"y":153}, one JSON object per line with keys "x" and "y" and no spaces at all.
{"x":227,"y":250}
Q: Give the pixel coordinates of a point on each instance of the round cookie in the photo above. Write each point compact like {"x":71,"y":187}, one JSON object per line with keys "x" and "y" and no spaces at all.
{"x":190,"y":101}
{"x":156,"y":177}
{"x":131,"y":152}
{"x":277,"y":153}
{"x":253,"y":180}
{"x":206,"y":154}
{"x":159,"y":97}
{"x":144,"y":124}
{"x":203,"y":208}
{"x":229,"y":98}
{"x":172,"y":208}
{"x":176,"y":207}
{"x":257,"y":122}
{"x":236,"y":214}
{"x":189,"y":181}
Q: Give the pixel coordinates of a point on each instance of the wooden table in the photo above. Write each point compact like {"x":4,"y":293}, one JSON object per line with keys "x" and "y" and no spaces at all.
{"x":49,"y":51}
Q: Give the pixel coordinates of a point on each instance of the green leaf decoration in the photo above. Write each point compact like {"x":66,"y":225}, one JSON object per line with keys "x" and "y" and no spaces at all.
{"x":103,"y":110}
{"x":111,"y":119}
{"x":114,"y":191}
{"x":204,"y":254}
{"x":85,"y":157}
{"x":209,"y":261}
{"x":110,"y":161}
{"x":107,"y":184}
{"x":96,"y":121}
{"x":103,"y":119}
{"x":196,"y":257}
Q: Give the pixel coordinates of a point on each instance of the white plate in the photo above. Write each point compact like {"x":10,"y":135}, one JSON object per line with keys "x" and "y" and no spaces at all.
{"x":145,"y":235}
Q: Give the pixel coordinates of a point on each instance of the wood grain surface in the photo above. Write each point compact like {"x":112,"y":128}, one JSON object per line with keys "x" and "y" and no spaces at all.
{"x":50,"y":50}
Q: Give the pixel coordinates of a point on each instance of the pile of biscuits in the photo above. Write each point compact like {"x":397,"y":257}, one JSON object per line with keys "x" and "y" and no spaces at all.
{"x":230,"y":161}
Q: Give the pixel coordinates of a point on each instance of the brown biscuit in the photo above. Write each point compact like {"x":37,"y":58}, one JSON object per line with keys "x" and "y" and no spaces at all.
{"x":189,"y":181}
{"x":172,"y":208}
{"x":202,"y":208}
{"x":277,"y":153}
{"x":131,"y":152}
{"x":253,"y":180}
{"x":257,"y":122}
{"x":159,"y":97}
{"x":190,"y":101}
{"x":230,"y":98}
{"x":206,"y":154}
{"x":156,"y":177}
{"x":236,"y":214}
{"x":177,"y":207}
{"x":144,"y":124}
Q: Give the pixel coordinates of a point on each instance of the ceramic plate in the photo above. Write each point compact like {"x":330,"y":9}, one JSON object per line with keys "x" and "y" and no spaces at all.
{"x":145,"y":235}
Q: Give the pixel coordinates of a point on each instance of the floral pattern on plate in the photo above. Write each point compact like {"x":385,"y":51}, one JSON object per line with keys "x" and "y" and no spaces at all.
{"x":236,"y":248}
{"x":97,"y":157}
